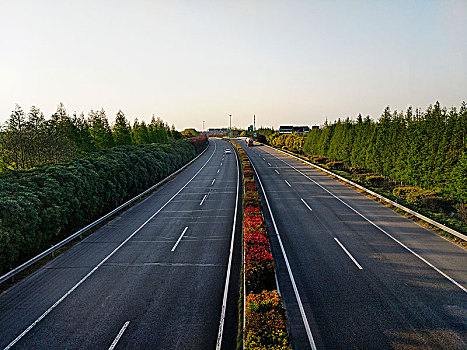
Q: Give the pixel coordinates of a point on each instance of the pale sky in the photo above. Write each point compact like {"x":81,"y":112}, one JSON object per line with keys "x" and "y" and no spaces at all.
{"x":288,"y":62}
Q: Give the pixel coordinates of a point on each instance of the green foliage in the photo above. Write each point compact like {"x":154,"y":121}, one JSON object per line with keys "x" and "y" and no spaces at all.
{"x":39,"y":207}
{"x":122,"y":130}
{"x":28,"y":141}
{"x":190,"y":132}
{"x":292,"y":142}
{"x":426,"y":149}
{"x":412,"y":194}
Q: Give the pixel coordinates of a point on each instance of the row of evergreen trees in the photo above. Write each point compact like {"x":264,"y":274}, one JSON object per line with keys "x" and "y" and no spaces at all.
{"x":29,"y":140}
{"x":425,"y":148}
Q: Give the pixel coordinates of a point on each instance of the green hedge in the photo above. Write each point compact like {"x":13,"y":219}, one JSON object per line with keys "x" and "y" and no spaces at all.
{"x":39,"y":207}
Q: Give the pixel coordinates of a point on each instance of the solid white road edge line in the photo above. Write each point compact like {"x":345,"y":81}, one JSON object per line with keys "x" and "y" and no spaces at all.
{"x":287,"y":183}
{"x":229,"y":267}
{"x":292,"y":279}
{"x":306,"y":204}
{"x":179,"y":239}
{"x":204,"y":198}
{"x":49,"y":310}
{"x":350,"y":255}
{"x":119,"y":335}
{"x":379,"y":228}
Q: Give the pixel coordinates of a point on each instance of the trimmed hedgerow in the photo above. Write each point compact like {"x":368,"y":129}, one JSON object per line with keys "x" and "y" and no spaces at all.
{"x":41,"y":206}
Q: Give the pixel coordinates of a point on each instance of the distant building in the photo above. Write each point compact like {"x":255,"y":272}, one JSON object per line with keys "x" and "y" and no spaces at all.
{"x":216,"y":131}
{"x":315,"y":127}
{"x":283,"y":129}
{"x":287,"y":129}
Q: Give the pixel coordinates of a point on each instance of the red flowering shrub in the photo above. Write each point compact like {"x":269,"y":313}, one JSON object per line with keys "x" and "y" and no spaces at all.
{"x":252,"y":211}
{"x":266,"y":322}
{"x":199,"y":142}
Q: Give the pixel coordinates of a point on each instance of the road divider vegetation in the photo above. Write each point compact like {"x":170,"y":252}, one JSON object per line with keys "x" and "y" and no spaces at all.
{"x":39,"y":207}
{"x":265,"y":321}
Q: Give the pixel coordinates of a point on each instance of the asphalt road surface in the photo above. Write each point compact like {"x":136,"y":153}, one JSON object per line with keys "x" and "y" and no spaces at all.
{"x":360,"y":275}
{"x":152,"y":278}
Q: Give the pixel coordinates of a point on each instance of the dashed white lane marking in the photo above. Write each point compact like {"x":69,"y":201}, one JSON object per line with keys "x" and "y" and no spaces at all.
{"x":119,"y":335}
{"x":218,"y":170}
{"x":179,"y":239}
{"x":287,"y":183}
{"x":204,"y":198}
{"x":276,"y":171}
{"x":269,"y":164}
{"x":350,"y":255}
{"x":212,"y":183}
{"x":306,"y":204}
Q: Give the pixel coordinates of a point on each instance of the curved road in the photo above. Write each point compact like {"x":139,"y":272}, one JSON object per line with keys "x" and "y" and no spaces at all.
{"x":152,"y":278}
{"x":365,"y":276}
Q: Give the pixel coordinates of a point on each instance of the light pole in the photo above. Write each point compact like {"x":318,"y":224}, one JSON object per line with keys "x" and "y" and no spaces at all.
{"x":230,"y":127}
{"x":203,"y":126}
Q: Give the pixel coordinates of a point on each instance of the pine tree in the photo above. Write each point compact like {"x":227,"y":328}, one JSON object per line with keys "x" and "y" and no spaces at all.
{"x":122,"y":130}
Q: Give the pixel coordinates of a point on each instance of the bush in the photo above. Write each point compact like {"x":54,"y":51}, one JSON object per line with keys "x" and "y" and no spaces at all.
{"x":199,"y":142}
{"x":251,"y":199}
{"x":374,"y":180}
{"x":461,"y":209}
{"x":335,"y":165}
{"x":412,"y":194}
{"x":266,"y":323}
{"x":319,"y":159}
{"x":436,"y":204}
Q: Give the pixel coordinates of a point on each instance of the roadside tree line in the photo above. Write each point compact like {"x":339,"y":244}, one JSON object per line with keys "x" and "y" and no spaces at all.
{"x":29,"y":139}
{"x":417,"y":157}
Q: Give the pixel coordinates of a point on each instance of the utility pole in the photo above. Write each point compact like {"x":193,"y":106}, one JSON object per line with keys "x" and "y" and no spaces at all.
{"x":254,"y":122}
{"x":230,"y":128}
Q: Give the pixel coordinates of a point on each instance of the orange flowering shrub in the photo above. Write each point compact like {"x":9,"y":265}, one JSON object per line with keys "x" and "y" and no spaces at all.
{"x":266,"y":323}
{"x":251,"y":199}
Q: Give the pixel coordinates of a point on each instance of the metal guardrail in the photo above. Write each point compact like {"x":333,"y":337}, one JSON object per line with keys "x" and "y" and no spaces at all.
{"x":410,"y":211}
{"x":11,"y":274}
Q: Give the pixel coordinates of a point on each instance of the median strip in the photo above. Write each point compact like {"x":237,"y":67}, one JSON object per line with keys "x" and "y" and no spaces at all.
{"x":264,"y":317}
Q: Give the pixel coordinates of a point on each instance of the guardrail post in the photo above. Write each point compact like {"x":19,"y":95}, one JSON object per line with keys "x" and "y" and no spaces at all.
{"x":53,"y":252}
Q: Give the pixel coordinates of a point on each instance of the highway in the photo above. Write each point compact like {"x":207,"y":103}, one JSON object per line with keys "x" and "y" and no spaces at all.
{"x":353,"y":273}
{"x":157,"y":276}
